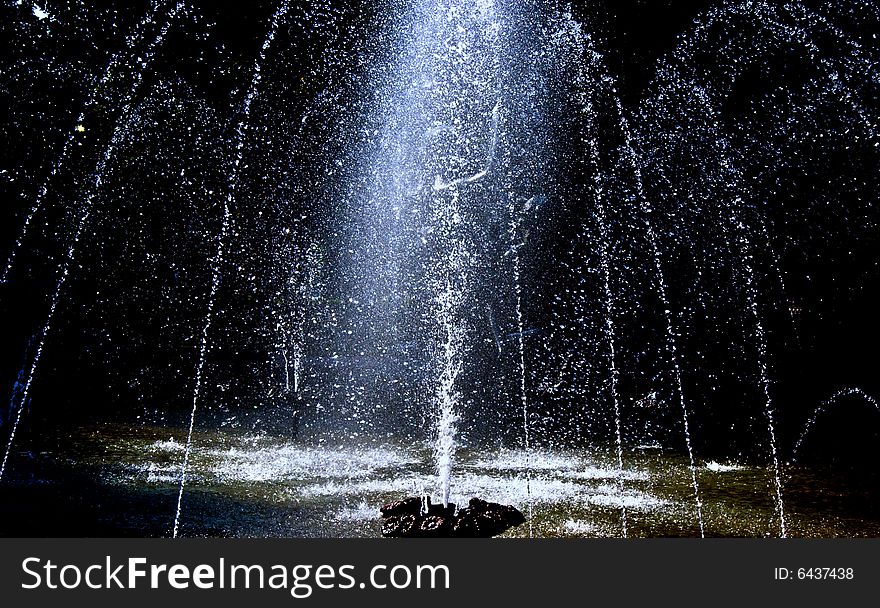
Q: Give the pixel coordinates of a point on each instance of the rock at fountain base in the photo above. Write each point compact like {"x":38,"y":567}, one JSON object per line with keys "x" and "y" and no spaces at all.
{"x":481,"y":519}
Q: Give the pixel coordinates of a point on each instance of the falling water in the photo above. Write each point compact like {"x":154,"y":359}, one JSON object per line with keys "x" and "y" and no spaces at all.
{"x":82,"y":221}
{"x":778,"y":273}
{"x":657,"y":258}
{"x":576,"y":43}
{"x":838,"y":78}
{"x":593,"y":59}
{"x":852,"y":391}
{"x":610,"y":338}
{"x":95,"y":91}
{"x":761,"y":346}
{"x":218,"y":259}
{"x":747,"y":261}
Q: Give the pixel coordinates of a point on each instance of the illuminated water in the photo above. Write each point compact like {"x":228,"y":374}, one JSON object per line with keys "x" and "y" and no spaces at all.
{"x":245,"y":484}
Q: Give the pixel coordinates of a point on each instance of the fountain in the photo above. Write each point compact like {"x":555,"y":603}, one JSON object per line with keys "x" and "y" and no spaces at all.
{"x":298,"y":262}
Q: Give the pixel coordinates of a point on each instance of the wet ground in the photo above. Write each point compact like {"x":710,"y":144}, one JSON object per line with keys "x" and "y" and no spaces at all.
{"x":118,"y":480}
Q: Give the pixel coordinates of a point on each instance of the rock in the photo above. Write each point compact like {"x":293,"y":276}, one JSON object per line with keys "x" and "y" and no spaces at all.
{"x":405,"y":525}
{"x":481,"y":519}
{"x":412,"y":506}
{"x":435,"y":526}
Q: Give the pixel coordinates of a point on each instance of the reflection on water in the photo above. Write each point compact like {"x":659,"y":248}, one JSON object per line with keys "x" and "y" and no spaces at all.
{"x":114,"y":480}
